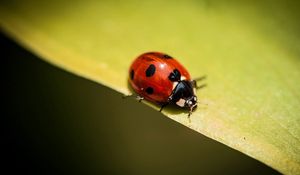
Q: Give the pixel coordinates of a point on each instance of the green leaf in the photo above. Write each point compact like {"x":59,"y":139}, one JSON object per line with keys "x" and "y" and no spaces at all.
{"x":249,"y":51}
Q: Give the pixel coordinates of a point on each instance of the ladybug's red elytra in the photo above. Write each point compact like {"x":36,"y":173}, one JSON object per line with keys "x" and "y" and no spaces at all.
{"x":159,"y":78}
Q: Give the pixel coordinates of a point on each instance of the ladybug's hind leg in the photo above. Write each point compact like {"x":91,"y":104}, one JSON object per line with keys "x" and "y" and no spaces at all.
{"x":194,"y":82}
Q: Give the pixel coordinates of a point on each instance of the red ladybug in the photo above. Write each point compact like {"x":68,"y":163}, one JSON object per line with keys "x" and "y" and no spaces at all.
{"x":159,"y":78}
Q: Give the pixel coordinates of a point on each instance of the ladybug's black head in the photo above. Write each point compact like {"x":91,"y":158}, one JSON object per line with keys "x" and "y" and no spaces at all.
{"x":183,"y":95}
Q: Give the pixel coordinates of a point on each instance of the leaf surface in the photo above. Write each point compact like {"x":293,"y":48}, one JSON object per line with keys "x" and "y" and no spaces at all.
{"x":249,"y":51}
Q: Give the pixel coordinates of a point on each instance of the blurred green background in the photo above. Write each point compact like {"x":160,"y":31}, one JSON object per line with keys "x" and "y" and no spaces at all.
{"x":58,"y":123}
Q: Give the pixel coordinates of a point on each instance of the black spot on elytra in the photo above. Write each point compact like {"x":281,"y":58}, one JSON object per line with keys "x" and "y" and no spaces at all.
{"x":175,"y":75}
{"x":149,"y":90}
{"x":150,"y":70}
{"x":132,"y":74}
{"x":167,"y":56}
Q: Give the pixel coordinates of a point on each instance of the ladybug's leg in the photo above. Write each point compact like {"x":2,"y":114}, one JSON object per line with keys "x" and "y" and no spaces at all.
{"x":201,"y":86}
{"x":162,"y":106}
{"x":194,"y":82}
{"x":200,"y":78}
{"x":139,"y":98}
{"x":190,"y":113}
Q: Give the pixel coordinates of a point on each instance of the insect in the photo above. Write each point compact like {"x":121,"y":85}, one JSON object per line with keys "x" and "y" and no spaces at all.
{"x":159,"y":78}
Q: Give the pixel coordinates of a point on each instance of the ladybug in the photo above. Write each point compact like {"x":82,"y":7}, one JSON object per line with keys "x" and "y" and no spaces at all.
{"x":159,"y":78}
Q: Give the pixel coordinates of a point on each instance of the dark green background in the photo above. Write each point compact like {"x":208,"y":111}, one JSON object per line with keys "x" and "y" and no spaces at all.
{"x":58,"y":123}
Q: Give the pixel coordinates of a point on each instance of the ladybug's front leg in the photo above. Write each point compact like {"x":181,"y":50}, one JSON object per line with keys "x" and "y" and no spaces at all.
{"x":194,"y":82}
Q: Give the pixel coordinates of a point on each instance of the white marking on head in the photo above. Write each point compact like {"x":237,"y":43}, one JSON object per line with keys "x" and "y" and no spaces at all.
{"x":182,"y":78}
{"x":180,"y":102}
{"x":174,"y":85}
